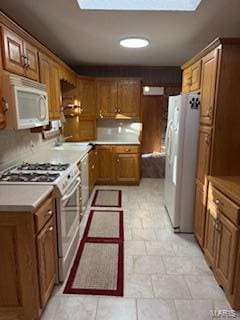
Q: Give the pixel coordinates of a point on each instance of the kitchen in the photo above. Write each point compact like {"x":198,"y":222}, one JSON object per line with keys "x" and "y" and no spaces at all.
{"x":87,"y":231}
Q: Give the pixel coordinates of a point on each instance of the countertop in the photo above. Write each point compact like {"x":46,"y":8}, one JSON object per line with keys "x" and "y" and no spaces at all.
{"x":115,"y":142}
{"x":22,"y":198}
{"x":229,"y":185}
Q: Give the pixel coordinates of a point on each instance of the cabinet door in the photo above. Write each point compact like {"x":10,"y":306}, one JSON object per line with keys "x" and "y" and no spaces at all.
{"x":45,"y":77}
{"x":46,"y":261}
{"x":210,"y":234}
{"x":13,"y":52}
{"x":55,"y":90}
{"x":227,"y":237}
{"x":200,"y":213}
{"x":129,"y":99}
{"x":2,"y":111}
{"x":187,"y":80}
{"x":127,"y":168}
{"x":80,"y":130}
{"x":105,"y":164}
{"x":196,"y":76}
{"x":87,"y":97}
{"x":208,"y":87}
{"x":204,"y":148}
{"x":31,"y":53}
{"x":107,"y":98}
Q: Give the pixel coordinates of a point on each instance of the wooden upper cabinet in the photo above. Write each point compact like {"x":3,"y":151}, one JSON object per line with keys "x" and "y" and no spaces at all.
{"x":208,"y":87}
{"x":32,"y":70}
{"x":2,"y":107}
{"x":186,"y":82}
{"x":55,"y":90}
{"x":196,"y":76}
{"x":204,"y":148}
{"x":192,"y":77}
{"x":129,"y":98}
{"x":199,"y":213}
{"x":87,"y":97}
{"x":13,"y":52}
{"x":19,"y":56}
{"x":49,"y":75}
{"x":79,"y":129}
{"x":107,"y":98}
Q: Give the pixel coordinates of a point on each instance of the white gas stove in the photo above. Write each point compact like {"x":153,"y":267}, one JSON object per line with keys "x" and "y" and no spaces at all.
{"x":66,"y":180}
{"x":61,"y":175}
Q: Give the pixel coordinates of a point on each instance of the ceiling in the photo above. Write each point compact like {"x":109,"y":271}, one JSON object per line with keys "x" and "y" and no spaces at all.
{"x":83,"y":37}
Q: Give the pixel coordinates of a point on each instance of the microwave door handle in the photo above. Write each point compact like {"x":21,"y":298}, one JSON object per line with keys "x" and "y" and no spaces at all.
{"x":42,"y":108}
{"x":67,"y":196}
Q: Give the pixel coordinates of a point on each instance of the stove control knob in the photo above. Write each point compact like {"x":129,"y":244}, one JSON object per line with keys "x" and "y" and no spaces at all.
{"x":69,"y":176}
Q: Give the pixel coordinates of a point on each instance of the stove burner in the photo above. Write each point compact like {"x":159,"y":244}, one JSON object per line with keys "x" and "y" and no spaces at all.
{"x":29,"y":177}
{"x":43,"y":166}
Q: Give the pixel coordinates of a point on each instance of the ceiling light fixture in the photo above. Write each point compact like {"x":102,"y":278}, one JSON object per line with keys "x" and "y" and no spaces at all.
{"x":134,"y":42}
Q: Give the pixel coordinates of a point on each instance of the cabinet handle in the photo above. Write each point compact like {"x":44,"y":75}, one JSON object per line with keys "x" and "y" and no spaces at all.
{"x":50,"y":229}
{"x":209,"y":112}
{"x":49,"y":213}
{"x":207,"y":139}
{"x":127,"y":150}
{"x":5,"y":105}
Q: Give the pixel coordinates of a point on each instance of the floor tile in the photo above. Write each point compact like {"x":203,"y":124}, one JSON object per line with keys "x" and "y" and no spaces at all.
{"x":154,"y":222}
{"x":138,"y":285}
{"x":193,"y":309}
{"x":116,"y":309}
{"x":186,"y":266}
{"x":156,"y":309}
{"x":204,"y":287}
{"x":159,"y":248}
{"x":170,"y":287}
{"x":135,"y":248}
{"x":143,"y":234}
{"x":51,"y":309}
{"x":76,"y":308}
{"x":148,"y":265}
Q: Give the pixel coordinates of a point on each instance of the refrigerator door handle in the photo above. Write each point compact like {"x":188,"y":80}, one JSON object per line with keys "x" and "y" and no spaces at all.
{"x":167,"y":141}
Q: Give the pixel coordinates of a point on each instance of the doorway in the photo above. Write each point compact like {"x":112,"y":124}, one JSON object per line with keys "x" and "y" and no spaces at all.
{"x":154,"y":119}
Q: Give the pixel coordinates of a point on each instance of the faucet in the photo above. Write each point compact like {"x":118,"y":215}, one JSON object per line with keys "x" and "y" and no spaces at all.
{"x":60,"y":140}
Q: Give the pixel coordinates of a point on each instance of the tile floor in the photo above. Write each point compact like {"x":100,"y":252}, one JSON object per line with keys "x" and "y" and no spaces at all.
{"x":166,"y":277}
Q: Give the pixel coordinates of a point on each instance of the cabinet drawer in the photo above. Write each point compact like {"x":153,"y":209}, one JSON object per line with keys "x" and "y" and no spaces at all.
{"x":44,"y":213}
{"x":127,"y":149}
{"x":224,"y":204}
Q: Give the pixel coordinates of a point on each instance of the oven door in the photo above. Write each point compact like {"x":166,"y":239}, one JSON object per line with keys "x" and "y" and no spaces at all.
{"x":69,"y":209}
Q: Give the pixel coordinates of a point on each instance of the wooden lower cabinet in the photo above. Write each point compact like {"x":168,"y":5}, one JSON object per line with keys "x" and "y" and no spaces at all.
{"x":226,"y":249}
{"x":210,"y":235}
{"x":200,"y":213}
{"x":126,"y":168}
{"x":28,"y":263}
{"x":221,"y":245}
{"x":46,"y":261}
{"x":105,"y":166}
{"x":93,"y":169}
{"x":118,"y":164}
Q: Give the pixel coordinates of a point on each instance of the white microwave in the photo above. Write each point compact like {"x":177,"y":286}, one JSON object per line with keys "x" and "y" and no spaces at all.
{"x":26,"y":102}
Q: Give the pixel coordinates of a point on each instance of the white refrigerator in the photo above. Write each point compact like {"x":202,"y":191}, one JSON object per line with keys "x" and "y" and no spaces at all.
{"x":181,"y":157}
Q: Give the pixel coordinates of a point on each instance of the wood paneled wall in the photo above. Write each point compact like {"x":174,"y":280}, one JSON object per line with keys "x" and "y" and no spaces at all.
{"x":149,"y":75}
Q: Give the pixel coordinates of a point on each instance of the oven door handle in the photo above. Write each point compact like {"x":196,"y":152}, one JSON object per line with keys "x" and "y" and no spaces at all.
{"x":67,"y":196}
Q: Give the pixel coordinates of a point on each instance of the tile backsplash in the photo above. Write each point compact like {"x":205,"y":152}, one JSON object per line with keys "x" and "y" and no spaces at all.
{"x":118,"y":130}
{"x":14,"y":145}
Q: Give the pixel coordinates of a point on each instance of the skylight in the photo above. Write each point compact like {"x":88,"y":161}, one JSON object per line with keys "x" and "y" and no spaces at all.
{"x":146,"y":5}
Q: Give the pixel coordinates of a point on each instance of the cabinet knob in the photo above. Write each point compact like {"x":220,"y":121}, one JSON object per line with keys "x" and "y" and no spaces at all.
{"x":115,"y":110}
{"x":127,"y":150}
{"x":49,"y":213}
{"x":119,"y":110}
{"x":118,"y":160}
{"x":50,"y":229}
{"x":93,"y":167}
